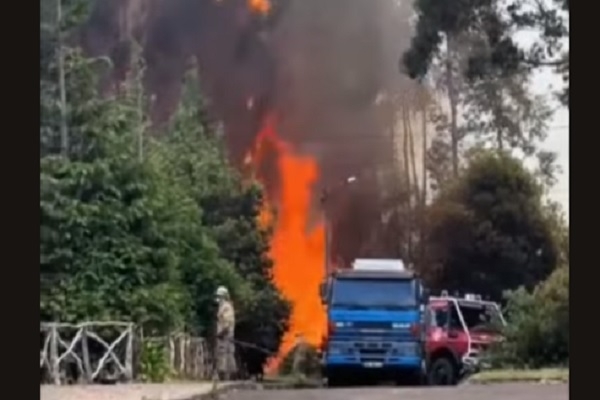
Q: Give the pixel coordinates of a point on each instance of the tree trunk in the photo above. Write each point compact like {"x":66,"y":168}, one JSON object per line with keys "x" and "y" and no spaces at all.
{"x":413,"y":160}
{"x":422,"y":218}
{"x":64,"y":133}
{"x":453,"y":102}
{"x":416,"y":211}
{"x":408,"y":183}
{"x":424,"y":149}
{"x":500,"y":140}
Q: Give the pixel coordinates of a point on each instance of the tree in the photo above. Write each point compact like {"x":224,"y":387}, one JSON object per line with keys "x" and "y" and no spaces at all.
{"x":58,"y":18}
{"x":137,"y":229}
{"x":103,"y":252}
{"x":497,"y":21}
{"x":488,"y":231}
{"x":230,"y":210}
{"x":490,"y":109}
{"x":127,"y":237}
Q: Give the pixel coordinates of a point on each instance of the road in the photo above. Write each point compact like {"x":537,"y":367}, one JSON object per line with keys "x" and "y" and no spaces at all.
{"x":178,"y":391}
{"x":167,"y":391}
{"x":465,"y":392}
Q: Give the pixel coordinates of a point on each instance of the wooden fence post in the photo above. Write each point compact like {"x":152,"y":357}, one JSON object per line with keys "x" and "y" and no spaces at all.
{"x":54,"y":361}
{"x":129,"y":355}
{"x":87,"y":367}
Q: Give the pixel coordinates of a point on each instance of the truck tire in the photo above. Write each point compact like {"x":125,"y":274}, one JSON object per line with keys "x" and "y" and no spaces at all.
{"x":442,"y":372}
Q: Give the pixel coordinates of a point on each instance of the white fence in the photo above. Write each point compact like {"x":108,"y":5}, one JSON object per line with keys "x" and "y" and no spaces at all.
{"x":111,"y":351}
{"x":65,"y":351}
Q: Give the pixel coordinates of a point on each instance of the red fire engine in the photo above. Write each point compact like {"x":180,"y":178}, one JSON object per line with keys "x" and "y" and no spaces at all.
{"x":458,"y":330}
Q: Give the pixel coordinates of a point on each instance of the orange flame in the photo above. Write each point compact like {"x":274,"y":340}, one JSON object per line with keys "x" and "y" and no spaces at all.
{"x":260,"y":6}
{"x":297,"y":253}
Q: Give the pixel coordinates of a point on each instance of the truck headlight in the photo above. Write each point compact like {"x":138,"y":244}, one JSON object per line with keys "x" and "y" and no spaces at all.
{"x":407,"y":350}
{"x":340,"y":324}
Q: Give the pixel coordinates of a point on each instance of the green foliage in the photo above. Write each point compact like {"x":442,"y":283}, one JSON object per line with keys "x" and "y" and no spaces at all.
{"x":230,"y":212}
{"x":146,"y":229}
{"x":538,"y":331}
{"x":103,"y":252}
{"x":154,"y":362}
{"x":488,"y":232}
{"x":495,"y":23}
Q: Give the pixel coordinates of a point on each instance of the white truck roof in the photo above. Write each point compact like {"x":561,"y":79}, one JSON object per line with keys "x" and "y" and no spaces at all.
{"x":378,"y":264}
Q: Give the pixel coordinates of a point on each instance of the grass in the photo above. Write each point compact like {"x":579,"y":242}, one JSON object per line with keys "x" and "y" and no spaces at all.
{"x":521,"y":375}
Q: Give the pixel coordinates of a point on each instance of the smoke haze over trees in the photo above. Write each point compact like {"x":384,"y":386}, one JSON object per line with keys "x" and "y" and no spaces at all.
{"x":321,"y":67}
{"x":144,"y":229}
{"x":144,"y":199}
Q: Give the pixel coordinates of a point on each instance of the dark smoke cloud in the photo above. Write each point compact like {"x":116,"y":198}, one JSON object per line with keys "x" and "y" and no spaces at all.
{"x":318,"y":65}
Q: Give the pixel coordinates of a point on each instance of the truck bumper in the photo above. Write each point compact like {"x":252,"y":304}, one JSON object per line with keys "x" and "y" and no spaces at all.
{"x":391,"y":362}
{"x":473,"y":363}
{"x":409,"y":367}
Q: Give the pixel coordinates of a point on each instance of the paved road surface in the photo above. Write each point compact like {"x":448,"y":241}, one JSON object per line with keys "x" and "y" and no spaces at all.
{"x":174,"y":391}
{"x":181,"y":391}
{"x":465,"y":392}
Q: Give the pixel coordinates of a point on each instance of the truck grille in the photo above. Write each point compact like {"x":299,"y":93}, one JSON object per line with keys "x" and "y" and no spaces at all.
{"x":375,"y":325}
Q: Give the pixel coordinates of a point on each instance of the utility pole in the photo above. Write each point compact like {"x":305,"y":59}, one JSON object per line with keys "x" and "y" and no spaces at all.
{"x":327,"y":233}
{"x":325,"y":194}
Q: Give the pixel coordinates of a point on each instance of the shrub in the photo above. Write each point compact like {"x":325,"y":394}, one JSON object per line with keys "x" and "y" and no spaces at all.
{"x":154,"y":365}
{"x":537,"y":334}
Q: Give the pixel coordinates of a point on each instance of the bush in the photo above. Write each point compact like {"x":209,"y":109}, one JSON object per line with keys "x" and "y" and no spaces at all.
{"x":537,"y":334}
{"x":154,"y":365}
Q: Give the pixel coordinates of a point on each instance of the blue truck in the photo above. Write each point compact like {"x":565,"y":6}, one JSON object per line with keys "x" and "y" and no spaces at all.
{"x":375,"y":314}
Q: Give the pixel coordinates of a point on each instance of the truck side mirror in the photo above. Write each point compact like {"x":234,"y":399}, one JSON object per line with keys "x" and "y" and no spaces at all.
{"x":425,"y":294}
{"x":323,"y":292}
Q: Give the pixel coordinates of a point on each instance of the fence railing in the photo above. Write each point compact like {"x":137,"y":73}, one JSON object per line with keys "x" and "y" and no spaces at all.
{"x":189,"y":357}
{"x":110,"y":350}
{"x":67,"y":347}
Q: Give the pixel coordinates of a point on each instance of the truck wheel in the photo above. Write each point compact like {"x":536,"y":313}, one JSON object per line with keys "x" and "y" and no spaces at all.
{"x":442,"y":372}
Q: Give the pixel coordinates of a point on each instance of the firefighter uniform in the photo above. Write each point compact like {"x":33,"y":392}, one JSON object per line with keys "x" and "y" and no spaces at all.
{"x":225,"y":354}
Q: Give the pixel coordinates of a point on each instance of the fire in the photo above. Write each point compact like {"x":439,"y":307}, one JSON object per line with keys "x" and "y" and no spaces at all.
{"x":260,"y":6}
{"x":297,"y":251}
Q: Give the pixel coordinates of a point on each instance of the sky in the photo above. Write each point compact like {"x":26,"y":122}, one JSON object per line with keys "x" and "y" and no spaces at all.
{"x":546,"y":82}
{"x":558,"y":142}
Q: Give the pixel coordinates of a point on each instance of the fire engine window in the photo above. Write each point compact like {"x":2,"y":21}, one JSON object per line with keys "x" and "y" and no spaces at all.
{"x":480,"y":317}
{"x":454,"y":319}
{"x":439,"y":318}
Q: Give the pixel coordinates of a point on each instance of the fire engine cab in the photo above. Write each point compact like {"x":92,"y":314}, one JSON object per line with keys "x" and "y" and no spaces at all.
{"x":458,"y":330}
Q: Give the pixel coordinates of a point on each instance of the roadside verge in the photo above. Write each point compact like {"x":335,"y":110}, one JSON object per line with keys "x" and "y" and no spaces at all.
{"x":546,"y":375}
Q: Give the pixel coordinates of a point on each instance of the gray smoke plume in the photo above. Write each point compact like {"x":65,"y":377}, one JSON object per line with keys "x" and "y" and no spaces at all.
{"x":319,"y":65}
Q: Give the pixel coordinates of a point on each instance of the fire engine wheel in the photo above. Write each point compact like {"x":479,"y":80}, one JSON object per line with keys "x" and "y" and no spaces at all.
{"x":442,"y":372}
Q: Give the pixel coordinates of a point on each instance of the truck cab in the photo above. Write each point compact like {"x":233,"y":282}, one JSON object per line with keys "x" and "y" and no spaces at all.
{"x":459,"y":329}
{"x":375,"y":315}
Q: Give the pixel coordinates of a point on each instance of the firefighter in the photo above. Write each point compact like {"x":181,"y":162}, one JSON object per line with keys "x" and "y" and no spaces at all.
{"x":225,"y":355}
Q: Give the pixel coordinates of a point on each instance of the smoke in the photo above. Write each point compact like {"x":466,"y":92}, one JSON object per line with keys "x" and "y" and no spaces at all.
{"x":320,"y":66}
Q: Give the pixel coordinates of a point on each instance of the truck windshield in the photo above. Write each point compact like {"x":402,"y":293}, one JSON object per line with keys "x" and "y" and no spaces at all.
{"x":368,"y":293}
{"x":480,"y":317}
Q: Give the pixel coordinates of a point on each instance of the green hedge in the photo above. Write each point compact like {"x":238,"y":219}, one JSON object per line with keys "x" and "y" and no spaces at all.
{"x":537,"y":334}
